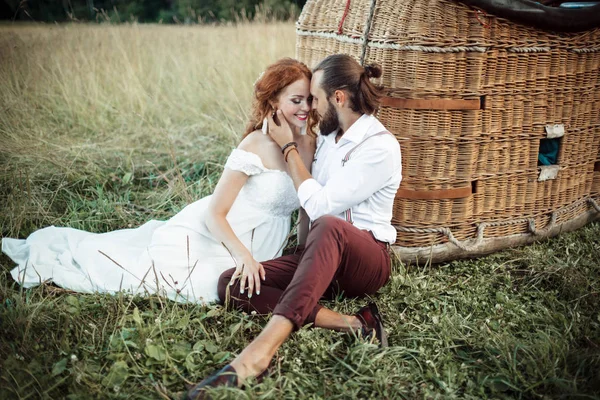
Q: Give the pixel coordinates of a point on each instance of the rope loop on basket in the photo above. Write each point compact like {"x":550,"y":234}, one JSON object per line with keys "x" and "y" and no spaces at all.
{"x":594,"y":204}
{"x":547,"y":229}
{"x":479,"y":12}
{"x":341,"y":24}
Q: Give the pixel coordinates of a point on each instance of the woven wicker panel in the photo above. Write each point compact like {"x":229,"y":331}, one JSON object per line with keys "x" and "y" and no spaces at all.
{"x":596,"y":184}
{"x":311,"y":50}
{"x":432,"y":212}
{"x":432,"y":124}
{"x":526,"y":79}
{"x":417,"y":74}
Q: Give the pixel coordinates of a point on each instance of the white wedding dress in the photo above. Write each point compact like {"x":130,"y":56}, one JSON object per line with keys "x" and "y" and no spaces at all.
{"x":177,"y":258}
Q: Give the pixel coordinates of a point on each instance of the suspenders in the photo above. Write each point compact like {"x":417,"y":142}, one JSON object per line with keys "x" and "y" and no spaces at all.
{"x":348,"y":212}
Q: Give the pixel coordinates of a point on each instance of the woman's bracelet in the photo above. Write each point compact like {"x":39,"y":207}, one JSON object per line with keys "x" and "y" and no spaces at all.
{"x":285,"y":156}
{"x":288,"y":145}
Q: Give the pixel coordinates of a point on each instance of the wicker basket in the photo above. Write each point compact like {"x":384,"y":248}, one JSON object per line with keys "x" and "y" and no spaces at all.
{"x":469,"y":97}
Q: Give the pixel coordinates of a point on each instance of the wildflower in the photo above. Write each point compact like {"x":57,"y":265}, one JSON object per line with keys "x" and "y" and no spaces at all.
{"x":74,"y":358}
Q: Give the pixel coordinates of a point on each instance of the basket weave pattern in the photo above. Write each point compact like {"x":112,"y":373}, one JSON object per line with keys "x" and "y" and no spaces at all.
{"x":524,"y":78}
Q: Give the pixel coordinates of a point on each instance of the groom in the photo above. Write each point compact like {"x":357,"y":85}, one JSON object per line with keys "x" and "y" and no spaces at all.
{"x":349,"y":198}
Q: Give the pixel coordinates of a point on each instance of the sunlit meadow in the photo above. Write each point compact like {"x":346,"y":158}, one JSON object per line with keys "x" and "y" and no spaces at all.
{"x":105,"y":127}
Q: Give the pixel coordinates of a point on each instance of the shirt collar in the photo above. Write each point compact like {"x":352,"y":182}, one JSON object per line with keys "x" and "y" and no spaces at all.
{"x":358,"y":129}
{"x":330,"y":139}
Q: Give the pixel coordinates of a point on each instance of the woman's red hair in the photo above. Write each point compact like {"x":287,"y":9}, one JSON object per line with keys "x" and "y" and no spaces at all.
{"x":269,"y":85}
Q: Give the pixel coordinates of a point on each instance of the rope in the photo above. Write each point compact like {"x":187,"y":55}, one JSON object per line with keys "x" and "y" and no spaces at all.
{"x":430,"y":49}
{"x":586,"y":50}
{"x":594,"y":204}
{"x":471,"y":244}
{"x":547,"y":229}
{"x":479,"y":12}
{"x":367,"y":30}
{"x":448,"y":233}
{"x":341,"y":24}
{"x":529,"y":49}
{"x":393,"y":46}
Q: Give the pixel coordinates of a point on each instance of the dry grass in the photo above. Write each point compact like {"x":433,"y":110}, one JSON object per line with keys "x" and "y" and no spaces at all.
{"x":85,"y":104}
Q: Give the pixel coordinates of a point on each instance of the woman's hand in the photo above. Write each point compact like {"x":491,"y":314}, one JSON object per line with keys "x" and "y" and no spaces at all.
{"x":282,"y":133}
{"x":250,"y":273}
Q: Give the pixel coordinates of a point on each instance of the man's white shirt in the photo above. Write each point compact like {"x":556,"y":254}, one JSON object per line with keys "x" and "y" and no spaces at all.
{"x":367,"y":183}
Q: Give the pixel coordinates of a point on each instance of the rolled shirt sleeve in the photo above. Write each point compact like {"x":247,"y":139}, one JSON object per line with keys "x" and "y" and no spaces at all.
{"x":365,"y":173}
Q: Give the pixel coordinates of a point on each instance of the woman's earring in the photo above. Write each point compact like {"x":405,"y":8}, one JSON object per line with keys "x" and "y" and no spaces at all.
{"x":265,"y":126}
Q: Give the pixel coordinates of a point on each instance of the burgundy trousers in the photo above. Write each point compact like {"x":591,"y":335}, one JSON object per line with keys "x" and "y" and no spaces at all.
{"x":337,"y":258}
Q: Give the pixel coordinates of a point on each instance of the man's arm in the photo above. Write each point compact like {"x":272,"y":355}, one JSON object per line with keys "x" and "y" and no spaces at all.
{"x":297,"y":169}
{"x":282,"y":135}
{"x":368,"y":171}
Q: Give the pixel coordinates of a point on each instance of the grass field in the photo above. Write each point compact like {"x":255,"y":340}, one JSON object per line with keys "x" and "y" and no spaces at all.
{"x":106,"y":127}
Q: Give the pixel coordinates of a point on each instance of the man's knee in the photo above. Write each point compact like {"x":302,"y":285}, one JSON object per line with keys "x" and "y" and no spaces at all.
{"x":223,"y":283}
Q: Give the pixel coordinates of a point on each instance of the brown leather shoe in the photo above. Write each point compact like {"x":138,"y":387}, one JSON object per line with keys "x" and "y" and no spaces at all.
{"x":227,"y":376}
{"x":224,"y":377}
{"x":372,"y":323}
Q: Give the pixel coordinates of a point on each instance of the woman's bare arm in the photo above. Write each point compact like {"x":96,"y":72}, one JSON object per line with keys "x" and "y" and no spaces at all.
{"x":226,"y":191}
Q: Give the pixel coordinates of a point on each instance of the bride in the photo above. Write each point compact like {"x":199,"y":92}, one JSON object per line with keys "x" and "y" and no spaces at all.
{"x":246,"y":220}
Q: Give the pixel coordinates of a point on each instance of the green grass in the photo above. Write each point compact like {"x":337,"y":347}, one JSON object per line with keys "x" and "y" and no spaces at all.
{"x":520,"y":324}
{"x":106,"y":139}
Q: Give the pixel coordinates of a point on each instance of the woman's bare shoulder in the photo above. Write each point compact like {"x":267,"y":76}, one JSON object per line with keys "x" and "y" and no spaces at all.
{"x":254,"y":141}
{"x":261,"y":145}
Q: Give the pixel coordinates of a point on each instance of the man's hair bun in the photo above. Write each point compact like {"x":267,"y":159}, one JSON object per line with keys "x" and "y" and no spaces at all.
{"x":373,"y":70}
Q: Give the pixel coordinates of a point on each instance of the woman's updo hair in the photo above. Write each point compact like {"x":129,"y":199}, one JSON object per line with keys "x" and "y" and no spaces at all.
{"x":342,"y":72}
{"x":268,"y":87}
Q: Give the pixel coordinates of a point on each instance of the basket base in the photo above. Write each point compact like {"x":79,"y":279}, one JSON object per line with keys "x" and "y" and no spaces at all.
{"x":447,"y":251}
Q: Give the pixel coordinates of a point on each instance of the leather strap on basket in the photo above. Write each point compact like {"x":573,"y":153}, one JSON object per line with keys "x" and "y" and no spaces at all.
{"x":432,"y":104}
{"x":454,"y":193}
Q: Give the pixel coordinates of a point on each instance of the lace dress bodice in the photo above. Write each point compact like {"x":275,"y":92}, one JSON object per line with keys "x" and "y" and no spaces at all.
{"x":267,"y":189}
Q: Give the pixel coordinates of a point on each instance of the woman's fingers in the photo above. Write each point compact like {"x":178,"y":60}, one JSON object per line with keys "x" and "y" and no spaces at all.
{"x":257,"y":281}
{"x":281,"y":132}
{"x":235,"y":275}
{"x":250,"y":278}
{"x":243,"y":282}
{"x":282,"y":120}
{"x":250,"y":285}
{"x":263,"y":273}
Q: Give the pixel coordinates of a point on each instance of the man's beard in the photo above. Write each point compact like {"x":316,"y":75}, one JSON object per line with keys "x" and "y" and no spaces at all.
{"x":329,"y":122}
